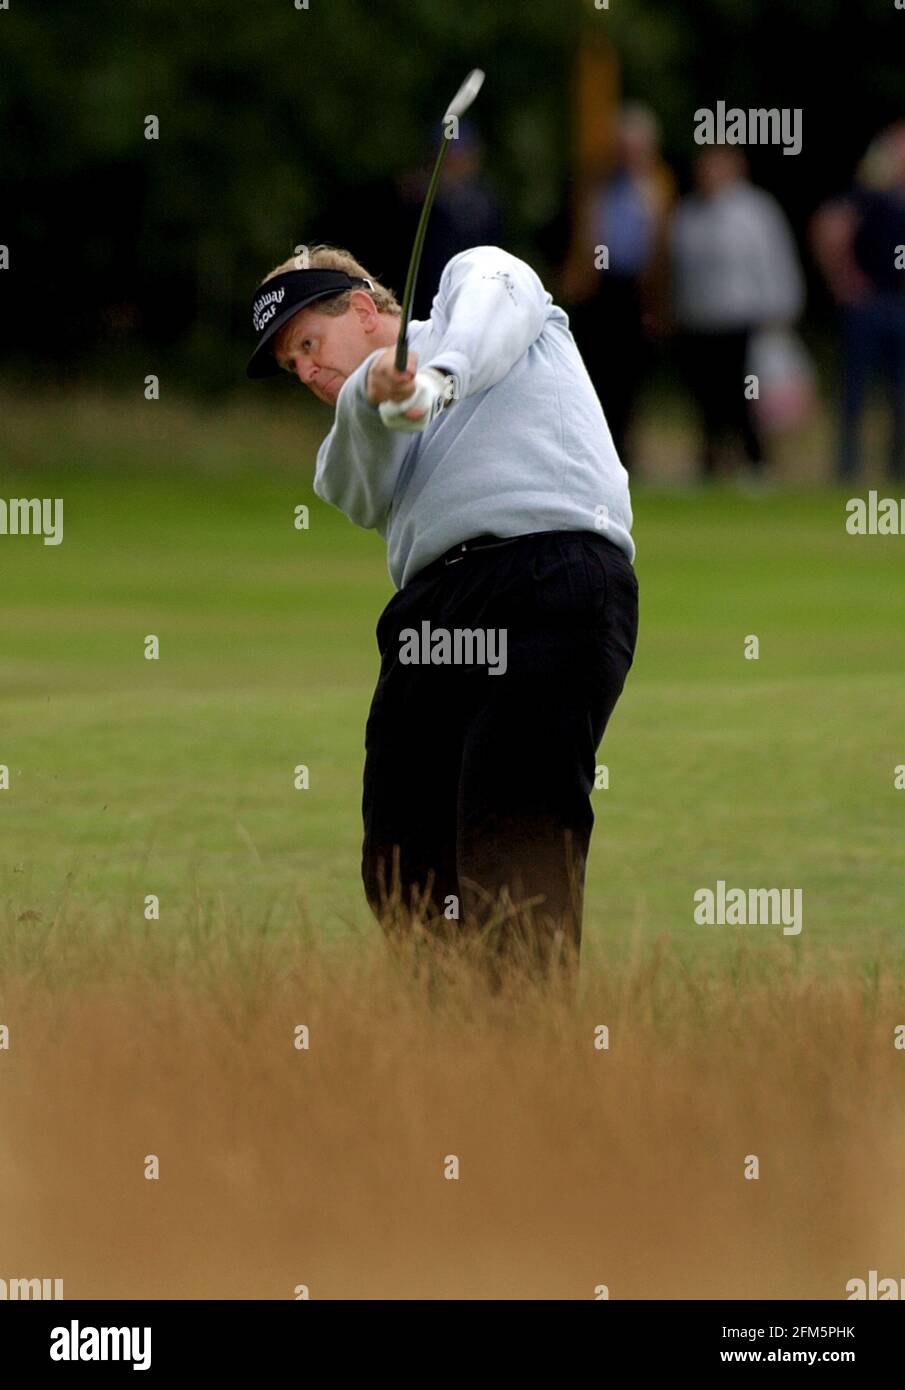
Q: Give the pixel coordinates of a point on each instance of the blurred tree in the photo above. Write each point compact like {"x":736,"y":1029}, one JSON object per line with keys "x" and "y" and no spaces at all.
{"x":270,"y":119}
{"x":278,"y":125}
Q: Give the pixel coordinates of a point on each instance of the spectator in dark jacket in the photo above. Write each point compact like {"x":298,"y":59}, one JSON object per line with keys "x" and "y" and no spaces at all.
{"x":859,"y":244}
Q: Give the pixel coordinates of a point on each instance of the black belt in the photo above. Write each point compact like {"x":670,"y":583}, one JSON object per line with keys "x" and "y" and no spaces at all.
{"x":458,"y":552}
{"x":489,"y":542}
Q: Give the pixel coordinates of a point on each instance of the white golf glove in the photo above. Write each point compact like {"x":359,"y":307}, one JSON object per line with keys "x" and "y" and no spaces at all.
{"x":433,"y":390}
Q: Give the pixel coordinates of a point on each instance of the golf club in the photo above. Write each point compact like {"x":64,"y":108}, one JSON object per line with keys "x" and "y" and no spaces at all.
{"x":457,"y":107}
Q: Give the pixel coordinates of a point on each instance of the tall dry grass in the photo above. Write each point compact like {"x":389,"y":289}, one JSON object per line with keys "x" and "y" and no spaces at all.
{"x":579,"y":1166}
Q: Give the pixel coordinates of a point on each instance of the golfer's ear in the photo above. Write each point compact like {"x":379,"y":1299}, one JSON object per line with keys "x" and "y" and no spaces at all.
{"x":364,"y":307}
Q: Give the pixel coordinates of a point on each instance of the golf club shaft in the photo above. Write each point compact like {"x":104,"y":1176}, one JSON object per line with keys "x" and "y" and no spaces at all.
{"x":414,"y":263}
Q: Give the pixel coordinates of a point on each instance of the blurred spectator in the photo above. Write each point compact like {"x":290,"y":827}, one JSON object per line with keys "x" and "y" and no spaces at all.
{"x":617,"y":308}
{"x":736,"y":270}
{"x":859,"y":242}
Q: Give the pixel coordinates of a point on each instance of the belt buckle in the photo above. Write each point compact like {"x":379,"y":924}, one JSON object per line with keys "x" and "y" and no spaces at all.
{"x":456,"y":558}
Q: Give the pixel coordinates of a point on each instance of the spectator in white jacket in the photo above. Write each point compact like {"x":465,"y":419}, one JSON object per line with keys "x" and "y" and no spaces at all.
{"x":735,"y":270}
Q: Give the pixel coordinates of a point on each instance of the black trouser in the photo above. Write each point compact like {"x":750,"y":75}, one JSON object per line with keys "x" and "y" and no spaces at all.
{"x":715,"y":366}
{"x":479,"y":784}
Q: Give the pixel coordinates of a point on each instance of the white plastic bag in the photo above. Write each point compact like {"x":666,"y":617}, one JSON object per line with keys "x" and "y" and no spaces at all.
{"x":787,"y":382}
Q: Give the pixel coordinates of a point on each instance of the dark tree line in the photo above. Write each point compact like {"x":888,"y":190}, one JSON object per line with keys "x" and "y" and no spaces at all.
{"x":279,"y":125}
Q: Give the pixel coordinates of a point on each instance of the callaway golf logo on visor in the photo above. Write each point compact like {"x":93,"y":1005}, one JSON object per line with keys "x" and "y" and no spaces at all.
{"x":264,"y":308}
{"x":282,"y":296}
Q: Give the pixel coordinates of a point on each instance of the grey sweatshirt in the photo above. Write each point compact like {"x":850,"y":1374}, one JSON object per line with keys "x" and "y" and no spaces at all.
{"x":523,"y":447}
{"x":735,"y":261}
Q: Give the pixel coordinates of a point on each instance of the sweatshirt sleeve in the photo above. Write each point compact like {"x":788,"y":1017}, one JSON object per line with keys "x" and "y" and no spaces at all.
{"x":489,"y":309}
{"x":359,"y":462}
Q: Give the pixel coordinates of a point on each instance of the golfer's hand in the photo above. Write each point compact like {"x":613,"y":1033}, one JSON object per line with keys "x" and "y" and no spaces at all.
{"x":424,"y":396}
{"x":386,"y":384}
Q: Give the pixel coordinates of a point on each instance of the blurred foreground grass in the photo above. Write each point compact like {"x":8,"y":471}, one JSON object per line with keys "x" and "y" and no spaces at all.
{"x":304,"y":1098}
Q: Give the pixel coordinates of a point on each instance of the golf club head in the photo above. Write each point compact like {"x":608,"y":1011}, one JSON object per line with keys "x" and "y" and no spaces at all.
{"x":465,"y":95}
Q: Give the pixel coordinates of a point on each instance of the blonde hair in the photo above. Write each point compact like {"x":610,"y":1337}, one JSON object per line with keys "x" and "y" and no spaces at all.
{"x":325,"y":257}
{"x":881,"y":161}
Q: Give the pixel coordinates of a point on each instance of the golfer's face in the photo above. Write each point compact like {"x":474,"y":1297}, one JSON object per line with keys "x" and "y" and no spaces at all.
{"x":321,"y":350}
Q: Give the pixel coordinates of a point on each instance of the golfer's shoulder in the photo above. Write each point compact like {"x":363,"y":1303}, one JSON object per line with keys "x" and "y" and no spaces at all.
{"x":485,"y":260}
{"x":488,"y":263}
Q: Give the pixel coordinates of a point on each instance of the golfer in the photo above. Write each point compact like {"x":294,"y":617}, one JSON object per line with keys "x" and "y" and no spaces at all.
{"x":488,"y":467}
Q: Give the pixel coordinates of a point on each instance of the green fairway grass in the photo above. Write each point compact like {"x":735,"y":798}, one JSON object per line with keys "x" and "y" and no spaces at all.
{"x":175,"y":777}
